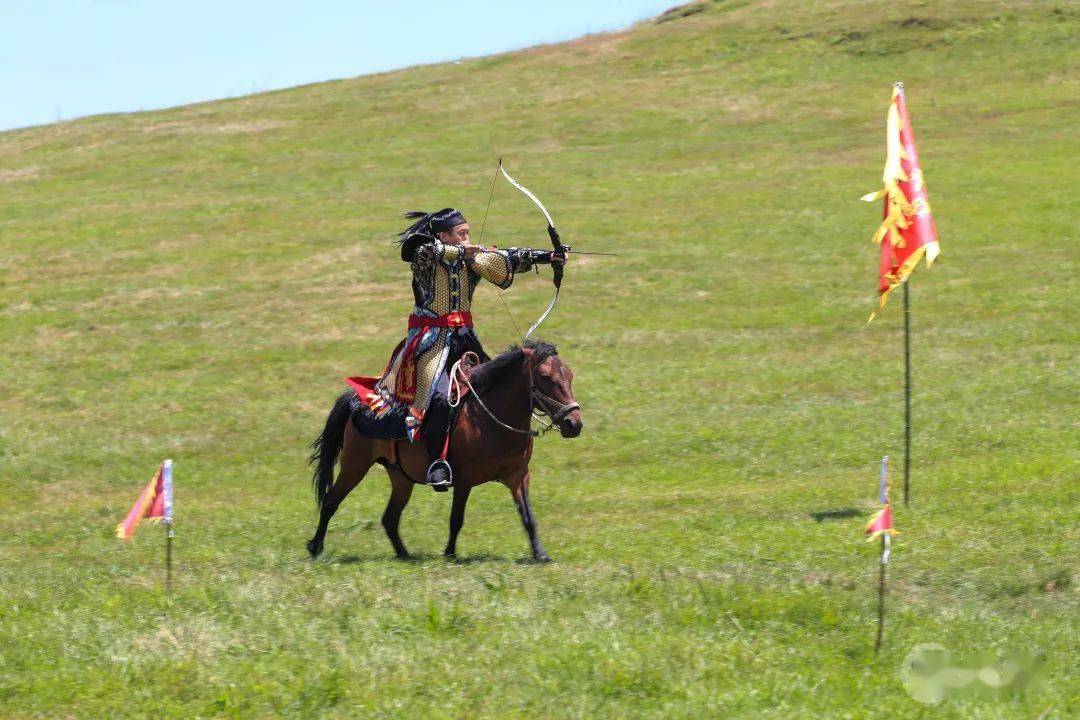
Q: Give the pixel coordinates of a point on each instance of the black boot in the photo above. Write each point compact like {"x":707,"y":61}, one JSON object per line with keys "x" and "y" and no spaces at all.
{"x":436,"y":420}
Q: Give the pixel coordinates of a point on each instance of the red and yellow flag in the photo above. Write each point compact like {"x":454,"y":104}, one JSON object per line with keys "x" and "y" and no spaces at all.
{"x":154,"y":503}
{"x":881,"y":523}
{"x":907,"y":232}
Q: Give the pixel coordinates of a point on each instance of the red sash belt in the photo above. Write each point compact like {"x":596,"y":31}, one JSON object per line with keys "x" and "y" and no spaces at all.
{"x":455,"y":319}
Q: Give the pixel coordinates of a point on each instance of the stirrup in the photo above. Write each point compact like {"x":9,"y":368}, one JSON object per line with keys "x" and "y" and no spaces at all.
{"x":439,"y":464}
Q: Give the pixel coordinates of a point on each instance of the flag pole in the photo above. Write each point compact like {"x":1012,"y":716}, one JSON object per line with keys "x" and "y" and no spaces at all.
{"x":168,"y":559}
{"x":167,"y":485}
{"x":907,"y":391}
{"x":883,"y":497}
{"x":881,"y":591}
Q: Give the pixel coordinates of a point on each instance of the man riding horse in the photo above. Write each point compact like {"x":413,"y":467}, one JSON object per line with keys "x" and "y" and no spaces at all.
{"x":487,"y":434}
{"x":446,"y":269}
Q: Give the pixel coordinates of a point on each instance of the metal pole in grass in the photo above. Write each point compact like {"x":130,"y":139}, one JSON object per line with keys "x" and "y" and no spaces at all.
{"x":882,"y":522}
{"x":167,"y":487}
{"x":168,"y":560}
{"x":907,"y":392}
{"x":881,"y":591}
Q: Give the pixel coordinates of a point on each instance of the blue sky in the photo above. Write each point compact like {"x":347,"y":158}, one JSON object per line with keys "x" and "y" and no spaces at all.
{"x":60,"y":60}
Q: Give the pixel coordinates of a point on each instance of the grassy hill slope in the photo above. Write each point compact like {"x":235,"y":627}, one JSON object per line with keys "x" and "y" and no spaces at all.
{"x":193,"y":283}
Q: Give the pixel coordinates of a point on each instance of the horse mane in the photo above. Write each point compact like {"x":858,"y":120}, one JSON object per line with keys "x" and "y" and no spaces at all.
{"x":489,"y":373}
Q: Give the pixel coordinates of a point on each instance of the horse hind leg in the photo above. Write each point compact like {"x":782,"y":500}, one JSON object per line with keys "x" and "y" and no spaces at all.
{"x":356,"y":460}
{"x":400,"y":491}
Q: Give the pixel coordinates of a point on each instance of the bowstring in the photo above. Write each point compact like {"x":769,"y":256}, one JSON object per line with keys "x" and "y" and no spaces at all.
{"x":488,"y":208}
{"x":483,"y":226}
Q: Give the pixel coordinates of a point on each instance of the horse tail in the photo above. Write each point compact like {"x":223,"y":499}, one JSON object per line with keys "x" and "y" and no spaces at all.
{"x":327,"y":446}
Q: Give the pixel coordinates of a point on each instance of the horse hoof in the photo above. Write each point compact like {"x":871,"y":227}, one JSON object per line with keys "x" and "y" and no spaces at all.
{"x":314,"y":549}
{"x":541,"y":558}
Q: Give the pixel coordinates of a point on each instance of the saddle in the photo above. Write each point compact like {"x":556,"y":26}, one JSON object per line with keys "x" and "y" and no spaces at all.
{"x":373,"y":418}
{"x":370,"y":415}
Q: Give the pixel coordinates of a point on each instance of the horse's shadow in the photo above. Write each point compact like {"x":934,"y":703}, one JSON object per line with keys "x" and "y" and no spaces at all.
{"x":419,"y":559}
{"x":835,"y":514}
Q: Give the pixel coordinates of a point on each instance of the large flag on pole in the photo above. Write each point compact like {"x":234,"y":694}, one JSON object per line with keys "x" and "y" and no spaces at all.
{"x":155,"y":503}
{"x":907,"y":233}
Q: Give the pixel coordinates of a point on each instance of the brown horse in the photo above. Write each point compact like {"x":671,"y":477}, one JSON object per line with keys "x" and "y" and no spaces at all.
{"x":490,"y":440}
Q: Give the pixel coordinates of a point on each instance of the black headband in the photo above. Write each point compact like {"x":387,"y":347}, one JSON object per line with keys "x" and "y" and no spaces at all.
{"x":446,"y":220}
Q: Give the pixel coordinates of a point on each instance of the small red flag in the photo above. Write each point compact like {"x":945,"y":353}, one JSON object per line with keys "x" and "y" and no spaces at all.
{"x":881,"y":523}
{"x":154,"y":503}
{"x":907,"y":232}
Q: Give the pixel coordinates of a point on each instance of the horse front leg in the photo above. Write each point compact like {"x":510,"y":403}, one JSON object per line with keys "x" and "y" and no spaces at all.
{"x":457,"y":518}
{"x":519,"y":488}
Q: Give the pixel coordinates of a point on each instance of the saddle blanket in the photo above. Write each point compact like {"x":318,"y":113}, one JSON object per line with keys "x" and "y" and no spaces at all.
{"x":371,"y":416}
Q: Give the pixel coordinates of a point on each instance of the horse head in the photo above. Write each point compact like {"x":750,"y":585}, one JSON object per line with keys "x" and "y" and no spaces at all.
{"x":552,"y":391}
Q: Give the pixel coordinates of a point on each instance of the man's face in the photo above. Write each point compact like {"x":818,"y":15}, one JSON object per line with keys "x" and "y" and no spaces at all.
{"x":458,"y":236}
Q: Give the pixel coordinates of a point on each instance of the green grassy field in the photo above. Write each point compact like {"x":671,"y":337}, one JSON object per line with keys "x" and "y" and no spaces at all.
{"x":193,"y":283}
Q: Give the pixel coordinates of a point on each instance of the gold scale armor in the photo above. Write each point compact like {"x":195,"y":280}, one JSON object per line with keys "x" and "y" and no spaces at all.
{"x":443,"y":284}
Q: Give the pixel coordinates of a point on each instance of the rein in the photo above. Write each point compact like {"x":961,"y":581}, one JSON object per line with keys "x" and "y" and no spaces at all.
{"x":545,"y":403}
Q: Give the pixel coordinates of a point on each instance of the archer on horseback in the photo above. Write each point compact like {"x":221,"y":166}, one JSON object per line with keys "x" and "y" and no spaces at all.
{"x":446,"y":268}
{"x":494,"y":402}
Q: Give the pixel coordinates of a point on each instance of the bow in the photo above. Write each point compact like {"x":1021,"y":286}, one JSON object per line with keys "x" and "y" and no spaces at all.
{"x":556,"y":243}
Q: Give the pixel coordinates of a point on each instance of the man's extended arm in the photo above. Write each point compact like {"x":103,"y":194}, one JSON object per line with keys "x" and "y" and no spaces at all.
{"x":499,"y":266}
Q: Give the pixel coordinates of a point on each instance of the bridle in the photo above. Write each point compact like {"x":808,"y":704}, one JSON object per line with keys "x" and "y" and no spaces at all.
{"x":549,"y":406}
